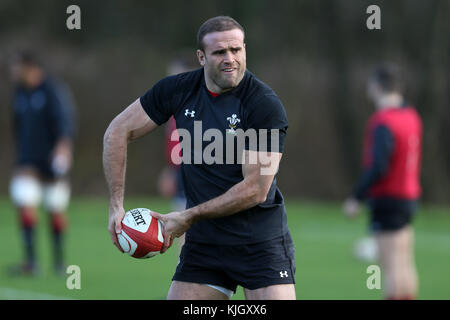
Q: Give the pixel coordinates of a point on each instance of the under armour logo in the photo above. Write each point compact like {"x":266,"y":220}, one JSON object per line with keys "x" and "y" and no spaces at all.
{"x":189,"y":113}
{"x":284,"y":274}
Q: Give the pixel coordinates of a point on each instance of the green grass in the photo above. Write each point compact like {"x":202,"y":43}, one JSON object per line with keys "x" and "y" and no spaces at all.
{"x":323,"y":239}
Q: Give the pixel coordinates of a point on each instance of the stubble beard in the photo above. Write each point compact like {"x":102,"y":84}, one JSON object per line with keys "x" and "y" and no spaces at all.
{"x":227,"y":83}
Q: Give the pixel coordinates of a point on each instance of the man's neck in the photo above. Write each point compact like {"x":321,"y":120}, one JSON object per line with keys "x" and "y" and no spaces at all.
{"x":214,"y":88}
{"x":392,"y":100}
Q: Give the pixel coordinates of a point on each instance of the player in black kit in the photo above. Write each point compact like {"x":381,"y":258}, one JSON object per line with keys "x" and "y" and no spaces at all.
{"x":235,"y":221}
{"x":43,"y":124}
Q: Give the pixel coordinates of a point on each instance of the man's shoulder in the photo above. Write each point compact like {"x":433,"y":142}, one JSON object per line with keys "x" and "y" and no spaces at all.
{"x":51,"y":83}
{"x":255,"y":90}
{"x":184,"y":80}
{"x":60,"y":91}
{"x":261,"y":106}
{"x":54,"y":87}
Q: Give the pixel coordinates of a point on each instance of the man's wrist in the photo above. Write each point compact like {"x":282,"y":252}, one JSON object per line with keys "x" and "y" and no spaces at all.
{"x":192,"y":215}
{"x":116,"y":204}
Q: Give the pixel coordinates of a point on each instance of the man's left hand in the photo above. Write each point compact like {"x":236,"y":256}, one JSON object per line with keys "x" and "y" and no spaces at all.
{"x":62,"y":157}
{"x":351,"y":207}
{"x":175,"y":225}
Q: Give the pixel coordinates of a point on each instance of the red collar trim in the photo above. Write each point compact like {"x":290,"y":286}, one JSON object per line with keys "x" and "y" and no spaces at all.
{"x":213,"y":94}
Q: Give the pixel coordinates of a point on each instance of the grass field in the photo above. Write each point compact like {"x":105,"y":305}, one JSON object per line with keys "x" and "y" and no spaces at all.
{"x":323,"y":239}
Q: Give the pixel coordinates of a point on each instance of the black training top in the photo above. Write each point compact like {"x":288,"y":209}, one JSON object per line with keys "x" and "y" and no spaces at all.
{"x":41,"y":116}
{"x":251,"y":105}
{"x":383,"y":144}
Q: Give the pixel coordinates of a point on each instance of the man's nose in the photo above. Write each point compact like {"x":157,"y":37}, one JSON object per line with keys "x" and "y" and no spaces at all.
{"x":228,"y":57}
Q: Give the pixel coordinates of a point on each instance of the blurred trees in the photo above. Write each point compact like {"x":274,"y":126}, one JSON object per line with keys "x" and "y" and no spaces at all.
{"x":316,"y":54}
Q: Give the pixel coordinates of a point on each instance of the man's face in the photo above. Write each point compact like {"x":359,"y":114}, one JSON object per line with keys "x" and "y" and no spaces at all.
{"x":27,"y":75}
{"x":224,"y":59}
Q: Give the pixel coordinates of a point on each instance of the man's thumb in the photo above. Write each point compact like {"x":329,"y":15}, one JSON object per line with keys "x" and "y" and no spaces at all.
{"x":118,"y":226}
{"x":156,"y":215}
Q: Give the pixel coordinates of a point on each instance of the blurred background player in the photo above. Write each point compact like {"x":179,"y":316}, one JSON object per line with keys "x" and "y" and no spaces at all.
{"x":170,"y":183}
{"x":391,"y":160}
{"x":43,"y":131}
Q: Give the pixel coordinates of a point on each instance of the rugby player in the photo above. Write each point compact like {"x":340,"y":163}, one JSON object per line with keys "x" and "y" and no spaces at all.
{"x":43,"y":129}
{"x":235,"y":221}
{"x":391,"y":180}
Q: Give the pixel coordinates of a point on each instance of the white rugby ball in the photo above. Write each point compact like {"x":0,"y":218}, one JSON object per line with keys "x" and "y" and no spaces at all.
{"x":142,"y":234}
{"x":366,"y":249}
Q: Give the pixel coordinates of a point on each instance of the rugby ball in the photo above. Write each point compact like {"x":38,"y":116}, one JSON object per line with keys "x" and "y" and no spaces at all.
{"x":142,"y":234}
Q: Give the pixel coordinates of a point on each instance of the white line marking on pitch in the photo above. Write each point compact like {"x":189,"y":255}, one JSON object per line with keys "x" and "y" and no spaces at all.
{"x":16,"y":294}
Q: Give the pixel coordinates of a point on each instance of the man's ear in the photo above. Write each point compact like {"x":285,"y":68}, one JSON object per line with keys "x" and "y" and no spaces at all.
{"x":201,"y":57}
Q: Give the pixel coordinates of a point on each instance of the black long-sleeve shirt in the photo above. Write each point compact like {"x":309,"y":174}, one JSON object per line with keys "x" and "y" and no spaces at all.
{"x":383,"y":143}
{"x":41,"y":116}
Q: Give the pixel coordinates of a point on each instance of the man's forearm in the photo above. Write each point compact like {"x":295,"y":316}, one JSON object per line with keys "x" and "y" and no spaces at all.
{"x":244,"y":195}
{"x":114,"y":163}
{"x":241,"y":196}
{"x":129,"y":125}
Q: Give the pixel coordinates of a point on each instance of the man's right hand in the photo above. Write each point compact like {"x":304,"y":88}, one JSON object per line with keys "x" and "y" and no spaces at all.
{"x":129,"y":125}
{"x":115,"y":224}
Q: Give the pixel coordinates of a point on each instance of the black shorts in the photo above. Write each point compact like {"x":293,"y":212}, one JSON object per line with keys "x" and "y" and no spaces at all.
{"x":251,"y":266}
{"x":43,"y":168}
{"x":391,"y":214}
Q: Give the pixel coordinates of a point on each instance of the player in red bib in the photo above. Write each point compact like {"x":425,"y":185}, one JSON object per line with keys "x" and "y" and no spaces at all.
{"x":390,"y":181}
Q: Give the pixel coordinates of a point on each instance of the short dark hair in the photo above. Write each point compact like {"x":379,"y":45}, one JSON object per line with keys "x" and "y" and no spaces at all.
{"x":388,"y":77}
{"x":216,"y":24}
{"x":27,"y":58}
